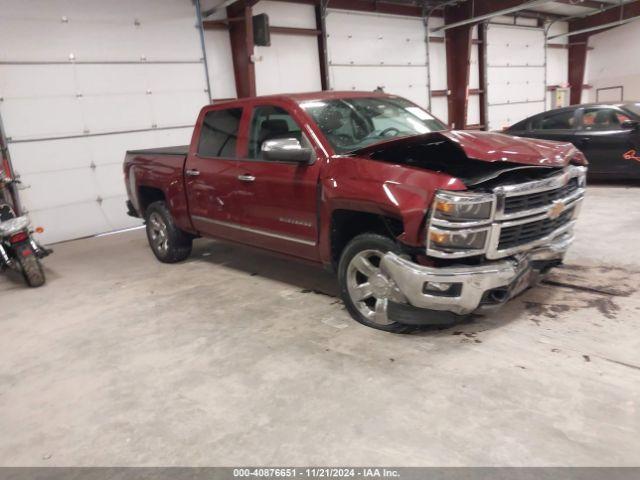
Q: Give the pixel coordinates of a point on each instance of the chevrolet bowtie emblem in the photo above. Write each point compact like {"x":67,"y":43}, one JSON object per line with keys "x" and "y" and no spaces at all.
{"x":556,"y":210}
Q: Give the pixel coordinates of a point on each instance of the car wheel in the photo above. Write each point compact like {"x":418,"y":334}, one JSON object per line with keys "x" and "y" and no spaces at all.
{"x":365,"y":290}
{"x":168,"y":243}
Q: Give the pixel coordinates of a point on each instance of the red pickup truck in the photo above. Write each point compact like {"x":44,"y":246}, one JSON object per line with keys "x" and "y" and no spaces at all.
{"x":422,"y":224}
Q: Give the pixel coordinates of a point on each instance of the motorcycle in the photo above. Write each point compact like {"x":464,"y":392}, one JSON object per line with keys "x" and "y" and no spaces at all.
{"x":18,"y":249}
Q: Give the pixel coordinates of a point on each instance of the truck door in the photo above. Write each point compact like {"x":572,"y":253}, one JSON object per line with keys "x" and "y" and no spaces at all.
{"x":605,"y":142}
{"x":211,"y":170}
{"x":276,"y":205}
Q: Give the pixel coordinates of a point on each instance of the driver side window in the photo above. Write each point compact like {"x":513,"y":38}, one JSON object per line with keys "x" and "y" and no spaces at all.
{"x":269,"y":123}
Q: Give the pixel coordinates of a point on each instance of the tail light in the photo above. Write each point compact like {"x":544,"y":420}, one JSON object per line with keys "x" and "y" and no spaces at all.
{"x":18,"y":237}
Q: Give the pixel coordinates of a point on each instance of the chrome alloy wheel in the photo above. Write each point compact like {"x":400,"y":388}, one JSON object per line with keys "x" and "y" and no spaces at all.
{"x":158,"y":233}
{"x":369,"y":288}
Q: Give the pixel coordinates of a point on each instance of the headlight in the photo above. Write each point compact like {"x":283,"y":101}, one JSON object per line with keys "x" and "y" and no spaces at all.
{"x":463,"y":207}
{"x":457,"y":240}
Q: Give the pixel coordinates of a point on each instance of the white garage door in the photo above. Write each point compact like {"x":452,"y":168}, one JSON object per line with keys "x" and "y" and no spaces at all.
{"x":291,"y":64}
{"x":82,"y":81}
{"x":367,"y":51}
{"x":515,"y":74}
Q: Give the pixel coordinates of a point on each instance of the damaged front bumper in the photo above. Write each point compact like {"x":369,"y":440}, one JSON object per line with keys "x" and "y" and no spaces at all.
{"x":431,"y":295}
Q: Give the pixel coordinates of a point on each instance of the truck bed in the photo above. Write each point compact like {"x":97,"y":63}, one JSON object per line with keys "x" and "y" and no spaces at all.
{"x":178,"y":150}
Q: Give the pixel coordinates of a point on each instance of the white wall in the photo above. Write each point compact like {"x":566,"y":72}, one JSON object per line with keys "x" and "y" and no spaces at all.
{"x":614,"y":61}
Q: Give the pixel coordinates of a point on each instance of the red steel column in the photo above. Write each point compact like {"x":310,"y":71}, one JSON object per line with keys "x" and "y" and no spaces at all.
{"x":241,"y":35}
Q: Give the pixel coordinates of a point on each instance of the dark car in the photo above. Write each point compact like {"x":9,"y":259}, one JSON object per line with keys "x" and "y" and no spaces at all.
{"x":608,"y":135}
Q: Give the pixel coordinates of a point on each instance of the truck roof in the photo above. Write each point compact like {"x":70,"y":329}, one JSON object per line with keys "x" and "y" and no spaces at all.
{"x":301,"y":97}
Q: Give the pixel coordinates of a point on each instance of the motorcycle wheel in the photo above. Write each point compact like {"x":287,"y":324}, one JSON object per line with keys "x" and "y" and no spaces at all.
{"x":31,"y":270}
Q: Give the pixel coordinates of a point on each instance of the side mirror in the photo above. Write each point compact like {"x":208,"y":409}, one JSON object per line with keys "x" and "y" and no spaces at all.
{"x":631,"y":125}
{"x":286,"y":150}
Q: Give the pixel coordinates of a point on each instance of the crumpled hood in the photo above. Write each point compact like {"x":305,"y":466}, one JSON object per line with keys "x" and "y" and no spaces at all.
{"x":487,"y":147}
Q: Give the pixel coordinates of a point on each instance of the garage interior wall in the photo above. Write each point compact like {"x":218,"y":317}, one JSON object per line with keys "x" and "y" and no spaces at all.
{"x":613,"y":63}
{"x":82,"y":82}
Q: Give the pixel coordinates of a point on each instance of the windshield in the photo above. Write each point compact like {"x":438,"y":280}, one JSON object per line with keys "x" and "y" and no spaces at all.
{"x":353,"y":123}
{"x":633,"y":108}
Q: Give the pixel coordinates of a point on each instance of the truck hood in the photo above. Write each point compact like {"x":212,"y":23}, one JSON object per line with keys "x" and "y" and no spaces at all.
{"x":483,"y":146}
{"x":474,"y":157}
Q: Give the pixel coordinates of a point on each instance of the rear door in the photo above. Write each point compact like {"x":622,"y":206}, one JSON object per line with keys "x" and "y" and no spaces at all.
{"x":211,"y":169}
{"x":276,"y":205}
{"x":605,"y":143}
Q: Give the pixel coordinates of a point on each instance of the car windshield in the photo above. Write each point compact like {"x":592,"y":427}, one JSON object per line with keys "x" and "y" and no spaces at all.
{"x":633,"y":108}
{"x":353,"y":123}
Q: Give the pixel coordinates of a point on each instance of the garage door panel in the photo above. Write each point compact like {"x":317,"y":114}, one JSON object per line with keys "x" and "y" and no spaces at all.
{"x":114,"y":210}
{"x":109,"y":180}
{"x":51,"y":155}
{"x":58,"y":188}
{"x":438,"y":60}
{"x":515,"y":73}
{"x":377,"y":50}
{"x":501,"y":116}
{"x":166,"y":39}
{"x":70,"y":221}
{"x":367,"y":51}
{"x":473,"y":110}
{"x":516,"y":85}
{"x":374,"y":39}
{"x":110,"y":79}
{"x":108,"y":113}
{"x":38,"y":117}
{"x":515,"y":46}
{"x":32,"y":32}
{"x":440,"y":109}
{"x":177,"y":108}
{"x":176,"y":77}
{"x":409,"y":82}
{"x":22,"y":81}
{"x":291,"y":64}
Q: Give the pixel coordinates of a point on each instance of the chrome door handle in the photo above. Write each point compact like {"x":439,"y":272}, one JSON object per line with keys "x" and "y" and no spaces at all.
{"x":246,"y":178}
{"x":192,"y":173}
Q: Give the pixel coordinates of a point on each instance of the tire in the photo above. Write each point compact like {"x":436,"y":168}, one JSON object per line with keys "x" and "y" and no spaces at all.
{"x":359,"y":263}
{"x":31,"y":270}
{"x":168,"y":243}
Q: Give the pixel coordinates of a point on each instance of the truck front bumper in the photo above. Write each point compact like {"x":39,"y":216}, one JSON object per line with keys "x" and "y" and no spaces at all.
{"x":465,"y":289}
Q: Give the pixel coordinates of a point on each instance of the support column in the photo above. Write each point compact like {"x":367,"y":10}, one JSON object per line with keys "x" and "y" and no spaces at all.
{"x":241,"y":35}
{"x":458,"y":48}
{"x":577,"y":61}
{"x":322,"y":44}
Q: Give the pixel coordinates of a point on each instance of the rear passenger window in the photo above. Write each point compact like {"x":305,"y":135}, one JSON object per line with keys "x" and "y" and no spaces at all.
{"x":555,"y":121}
{"x":219,"y":134}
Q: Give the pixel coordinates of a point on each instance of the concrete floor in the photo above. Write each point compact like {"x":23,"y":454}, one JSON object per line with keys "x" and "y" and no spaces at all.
{"x":235,"y":357}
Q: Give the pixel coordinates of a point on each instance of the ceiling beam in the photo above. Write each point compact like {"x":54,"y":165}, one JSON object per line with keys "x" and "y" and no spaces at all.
{"x":594,"y":4}
{"x":611,"y":15}
{"x":489,"y":9}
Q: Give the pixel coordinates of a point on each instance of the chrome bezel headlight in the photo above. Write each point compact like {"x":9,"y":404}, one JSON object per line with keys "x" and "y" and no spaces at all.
{"x":463,"y":208}
{"x":460,"y":224}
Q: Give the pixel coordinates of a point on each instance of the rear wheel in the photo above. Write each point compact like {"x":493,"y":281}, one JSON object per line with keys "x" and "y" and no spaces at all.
{"x":168,"y":243}
{"x":31,"y":270}
{"x":365,"y":289}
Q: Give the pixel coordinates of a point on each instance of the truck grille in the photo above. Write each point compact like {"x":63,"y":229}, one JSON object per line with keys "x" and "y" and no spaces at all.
{"x":524,"y":233}
{"x":531,"y":201}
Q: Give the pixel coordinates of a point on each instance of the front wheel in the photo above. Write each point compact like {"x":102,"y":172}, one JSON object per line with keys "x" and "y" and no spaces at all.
{"x":31,"y":270}
{"x":365,"y":290}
